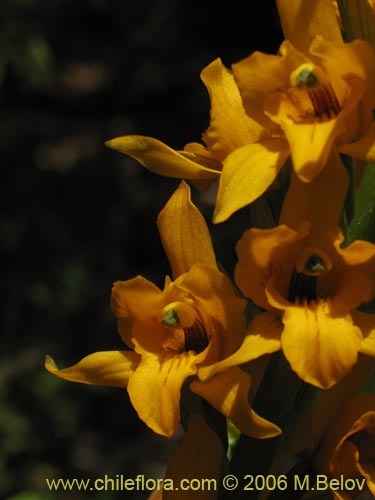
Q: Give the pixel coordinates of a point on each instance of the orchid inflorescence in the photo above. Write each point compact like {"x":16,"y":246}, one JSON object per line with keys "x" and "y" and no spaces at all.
{"x":270,"y":370}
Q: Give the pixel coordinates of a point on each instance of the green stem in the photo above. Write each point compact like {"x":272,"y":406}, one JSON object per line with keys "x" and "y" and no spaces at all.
{"x":362,"y":226}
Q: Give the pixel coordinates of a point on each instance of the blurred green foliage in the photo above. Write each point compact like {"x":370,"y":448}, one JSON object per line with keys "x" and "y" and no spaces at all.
{"x":23,"y":46}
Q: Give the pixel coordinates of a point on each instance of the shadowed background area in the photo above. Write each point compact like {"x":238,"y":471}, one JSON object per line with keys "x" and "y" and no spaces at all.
{"x":76,"y":217}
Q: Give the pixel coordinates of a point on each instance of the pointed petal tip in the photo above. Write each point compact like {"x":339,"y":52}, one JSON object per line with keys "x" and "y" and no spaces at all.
{"x":219,"y":217}
{"x":161,"y":159}
{"x":112,"y":144}
{"x":50,"y":364}
{"x":127,"y":144}
{"x":271,"y":431}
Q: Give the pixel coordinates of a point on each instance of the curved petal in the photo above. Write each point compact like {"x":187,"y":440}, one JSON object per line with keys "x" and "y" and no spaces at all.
{"x":259,"y":253}
{"x":154,"y":389}
{"x":247,"y":173}
{"x":200,"y":154}
{"x":135,"y":300}
{"x":345,"y":61}
{"x":352,"y":418}
{"x":157,"y":495}
{"x":331,"y":401}
{"x":219,"y":305}
{"x":230,"y":127}
{"x":366,"y":323}
{"x":263,"y":337}
{"x":357,"y":253}
{"x":350,"y":289}
{"x":184,"y":233}
{"x":360,"y":255}
{"x":310,"y":143}
{"x":355,"y":117}
{"x":321,"y":349}
{"x":365,"y":464}
{"x":363,"y":148}
{"x":160,"y":158}
{"x":227,"y":392}
{"x":302,"y":21}
{"x":261,"y":75}
{"x":195,"y":151}
{"x":319,"y":201}
{"x":200,"y":456}
{"x":112,"y":368}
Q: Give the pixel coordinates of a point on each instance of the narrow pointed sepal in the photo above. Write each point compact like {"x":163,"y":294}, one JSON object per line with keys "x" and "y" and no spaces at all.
{"x":228,"y":393}
{"x":160,"y":158}
{"x":247,"y":173}
{"x":109,"y":368}
{"x":263,"y":337}
{"x":302,"y":21}
{"x":184,"y":233}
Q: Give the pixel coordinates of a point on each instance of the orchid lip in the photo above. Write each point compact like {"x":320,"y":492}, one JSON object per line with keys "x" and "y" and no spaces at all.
{"x":311,"y":264}
{"x":196,"y":338}
{"x":302,"y":288}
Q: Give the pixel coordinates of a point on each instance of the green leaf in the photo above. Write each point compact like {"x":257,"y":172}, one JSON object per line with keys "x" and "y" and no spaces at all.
{"x":348,"y":210}
{"x":362,"y":226}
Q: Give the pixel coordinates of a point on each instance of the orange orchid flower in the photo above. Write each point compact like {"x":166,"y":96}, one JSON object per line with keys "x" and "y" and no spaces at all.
{"x":316,"y":95}
{"x":348,"y":448}
{"x":196,"y":320}
{"x":230,"y":128}
{"x":300,"y":273}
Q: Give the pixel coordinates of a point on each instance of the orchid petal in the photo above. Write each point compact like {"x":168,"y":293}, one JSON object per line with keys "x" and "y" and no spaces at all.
{"x":247,"y":173}
{"x":199,"y":456}
{"x":221,"y":308}
{"x":319,"y":201}
{"x":184,"y":233}
{"x":343,"y":61}
{"x":310,"y":143}
{"x":263,"y":337}
{"x":363,"y":148}
{"x":227,"y":392}
{"x":111,"y":368}
{"x":331,"y":401}
{"x":230,"y":127}
{"x":366,"y":323}
{"x":338,"y":453}
{"x":159,"y":158}
{"x":154,"y":389}
{"x":302,"y":21}
{"x":257,"y":249}
{"x":320,"y":348}
{"x":134,"y":300}
{"x":261,"y":75}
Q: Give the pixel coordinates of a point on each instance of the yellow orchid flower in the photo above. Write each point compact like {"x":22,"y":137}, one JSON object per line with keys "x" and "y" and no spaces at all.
{"x":230,"y":130}
{"x":317,"y":94}
{"x":348,"y":449}
{"x":196,"y":320}
{"x":300,"y":273}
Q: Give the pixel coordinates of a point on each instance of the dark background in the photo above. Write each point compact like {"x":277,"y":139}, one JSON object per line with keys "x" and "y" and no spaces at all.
{"x":76,"y":217}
